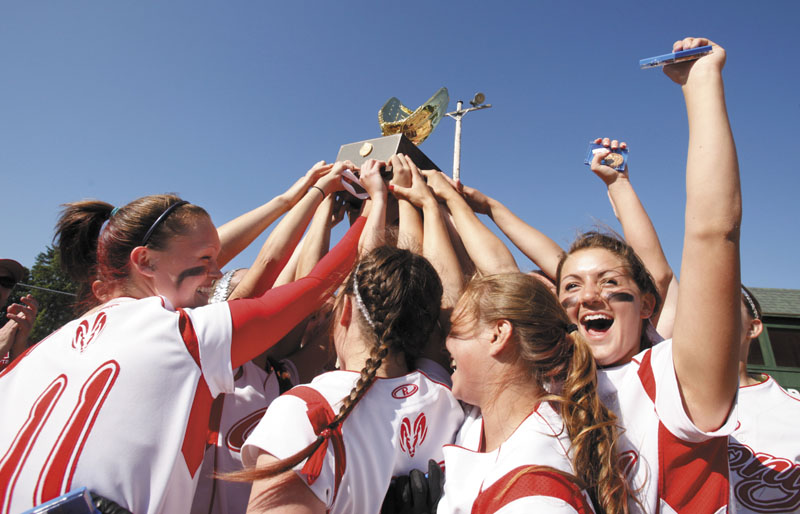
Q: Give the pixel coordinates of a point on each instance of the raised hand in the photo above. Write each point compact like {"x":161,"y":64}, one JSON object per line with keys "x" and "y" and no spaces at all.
{"x":441,"y":185}
{"x":606,"y":173}
{"x":681,"y":72}
{"x":371,"y":179}
{"x":418,"y":192}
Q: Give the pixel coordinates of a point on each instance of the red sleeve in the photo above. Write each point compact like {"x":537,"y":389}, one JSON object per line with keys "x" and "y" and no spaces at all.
{"x":259,"y":323}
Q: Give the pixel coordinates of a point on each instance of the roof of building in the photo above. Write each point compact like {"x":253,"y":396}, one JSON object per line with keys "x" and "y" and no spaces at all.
{"x":778,"y":302}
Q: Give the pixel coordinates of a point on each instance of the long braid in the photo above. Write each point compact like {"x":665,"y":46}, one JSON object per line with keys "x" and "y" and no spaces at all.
{"x":592,"y":429}
{"x":397,"y":295}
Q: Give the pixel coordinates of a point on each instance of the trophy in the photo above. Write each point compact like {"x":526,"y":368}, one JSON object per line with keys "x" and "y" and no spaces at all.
{"x":402,"y":129}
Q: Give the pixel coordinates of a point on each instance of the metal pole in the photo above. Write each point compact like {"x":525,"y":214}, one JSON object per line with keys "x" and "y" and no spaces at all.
{"x":457,"y":115}
{"x":457,"y":145}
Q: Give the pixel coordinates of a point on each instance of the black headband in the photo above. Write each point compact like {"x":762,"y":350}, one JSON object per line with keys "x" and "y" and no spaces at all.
{"x":160,"y":219}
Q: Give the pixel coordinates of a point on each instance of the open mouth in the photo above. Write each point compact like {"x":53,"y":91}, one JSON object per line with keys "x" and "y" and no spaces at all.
{"x":597,"y":324}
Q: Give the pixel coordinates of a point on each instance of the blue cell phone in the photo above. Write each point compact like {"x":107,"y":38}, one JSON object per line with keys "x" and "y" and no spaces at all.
{"x":683,"y":55}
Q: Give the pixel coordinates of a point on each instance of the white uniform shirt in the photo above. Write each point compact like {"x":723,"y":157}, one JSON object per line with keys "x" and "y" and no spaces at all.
{"x":675,"y":466}
{"x":254,"y":390}
{"x":539,"y":440}
{"x":116,"y":401}
{"x":397,"y":426}
{"x":764,"y":451}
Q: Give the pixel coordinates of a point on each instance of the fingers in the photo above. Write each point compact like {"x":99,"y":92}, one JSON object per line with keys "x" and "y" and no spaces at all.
{"x":31,"y":302}
{"x":614,"y":144}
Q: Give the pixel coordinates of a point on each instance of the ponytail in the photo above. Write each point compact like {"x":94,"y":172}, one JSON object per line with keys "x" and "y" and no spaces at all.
{"x":77,"y":232}
{"x":592,"y":429}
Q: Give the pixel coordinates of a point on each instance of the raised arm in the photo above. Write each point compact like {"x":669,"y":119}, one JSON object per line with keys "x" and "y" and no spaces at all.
{"x":536,"y":246}
{"x":436,"y":245}
{"x":409,"y":231}
{"x":707,"y":325}
{"x":636,"y":224}
{"x":318,"y":239}
{"x":375,"y":231}
{"x":280,"y":244}
{"x":438,"y":249}
{"x":258,"y":323}
{"x":486,"y":250}
{"x":237,"y":234}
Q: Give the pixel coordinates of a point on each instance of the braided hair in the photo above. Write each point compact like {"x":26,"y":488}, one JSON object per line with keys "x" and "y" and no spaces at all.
{"x":397,"y":297}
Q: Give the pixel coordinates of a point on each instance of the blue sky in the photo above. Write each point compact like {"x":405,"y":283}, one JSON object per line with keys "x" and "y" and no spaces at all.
{"x":227,"y":103}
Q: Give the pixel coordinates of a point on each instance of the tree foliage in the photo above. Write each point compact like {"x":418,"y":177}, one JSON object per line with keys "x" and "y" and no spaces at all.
{"x":55,"y":309}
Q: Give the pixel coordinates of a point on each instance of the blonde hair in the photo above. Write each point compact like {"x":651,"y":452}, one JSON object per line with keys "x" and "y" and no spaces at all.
{"x":558,"y":359}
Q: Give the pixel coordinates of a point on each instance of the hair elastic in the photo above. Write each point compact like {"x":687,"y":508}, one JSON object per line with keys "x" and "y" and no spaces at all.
{"x":359,"y":302}
{"x":161,"y":218}
{"x":105,"y":223}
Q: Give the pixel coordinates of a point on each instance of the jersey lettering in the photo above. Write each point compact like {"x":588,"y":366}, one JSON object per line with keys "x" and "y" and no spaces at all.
{"x":17,"y":454}
{"x":85,"y":335}
{"x":627,"y":461}
{"x":56,"y":475}
{"x":404,"y":391}
{"x":766,"y":483}
{"x":411,"y":439}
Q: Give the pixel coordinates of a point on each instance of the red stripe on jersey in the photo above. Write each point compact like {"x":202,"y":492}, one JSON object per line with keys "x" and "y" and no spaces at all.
{"x":693,"y":477}
{"x":14,"y":459}
{"x":320,"y":414}
{"x":59,"y":468}
{"x":646,"y":375}
{"x":189,"y":336}
{"x":519,"y":483}
{"x":194,"y":440}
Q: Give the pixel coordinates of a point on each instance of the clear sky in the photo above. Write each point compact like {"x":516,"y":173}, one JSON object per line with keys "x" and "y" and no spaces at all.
{"x":228,"y":102}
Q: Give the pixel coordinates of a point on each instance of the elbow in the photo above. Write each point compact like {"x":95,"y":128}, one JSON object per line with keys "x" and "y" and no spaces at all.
{"x":725,"y":227}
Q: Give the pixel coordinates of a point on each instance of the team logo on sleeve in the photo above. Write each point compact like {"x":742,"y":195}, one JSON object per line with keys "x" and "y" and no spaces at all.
{"x":410,"y":438}
{"x":86,"y":334}
{"x":404,"y":391}
{"x":765,"y":483}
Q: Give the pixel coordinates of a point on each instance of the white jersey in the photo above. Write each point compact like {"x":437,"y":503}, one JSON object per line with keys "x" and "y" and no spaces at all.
{"x":397,"y":426}
{"x":233,"y":418}
{"x":675,"y":466}
{"x":117,"y":401}
{"x":478,"y":481}
{"x":764,"y":451}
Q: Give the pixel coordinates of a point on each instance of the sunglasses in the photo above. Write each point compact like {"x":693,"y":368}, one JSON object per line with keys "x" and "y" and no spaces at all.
{"x":7,"y":282}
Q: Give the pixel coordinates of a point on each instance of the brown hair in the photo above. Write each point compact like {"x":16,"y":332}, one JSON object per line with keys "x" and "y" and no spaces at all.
{"x":562,"y":363}
{"x":401,"y":293}
{"x":91,"y":249}
{"x":636,"y":268}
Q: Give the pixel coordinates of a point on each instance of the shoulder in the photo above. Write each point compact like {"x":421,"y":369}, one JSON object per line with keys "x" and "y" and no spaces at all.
{"x":528,"y":487}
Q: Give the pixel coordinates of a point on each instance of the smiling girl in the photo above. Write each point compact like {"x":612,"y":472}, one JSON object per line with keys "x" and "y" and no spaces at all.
{"x":118,"y":400}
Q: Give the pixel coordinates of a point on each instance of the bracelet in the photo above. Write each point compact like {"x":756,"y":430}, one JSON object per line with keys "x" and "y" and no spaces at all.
{"x":318,"y":189}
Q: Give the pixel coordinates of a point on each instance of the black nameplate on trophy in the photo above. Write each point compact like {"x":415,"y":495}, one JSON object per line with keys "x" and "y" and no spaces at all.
{"x":382,"y":148}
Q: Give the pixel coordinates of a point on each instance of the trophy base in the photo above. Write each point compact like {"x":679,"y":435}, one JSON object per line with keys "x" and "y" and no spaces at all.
{"x":382,"y":148}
